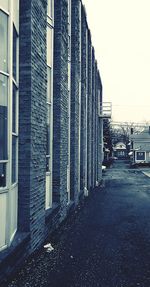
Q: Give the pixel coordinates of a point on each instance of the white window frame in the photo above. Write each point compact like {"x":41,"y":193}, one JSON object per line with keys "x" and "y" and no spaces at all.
{"x":140,"y":160}
{"x":50,"y":16}
{"x":48,"y":192}
{"x":11,"y":190}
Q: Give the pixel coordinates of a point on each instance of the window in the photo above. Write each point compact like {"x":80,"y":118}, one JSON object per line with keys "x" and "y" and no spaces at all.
{"x":49,"y":86}
{"x":49,"y":116}
{"x":49,"y":46}
{"x":4,"y":4}
{"x":4,"y":42}
{"x":2,"y":174}
{"x":16,"y":13}
{"x":14,"y":53}
{"x":49,"y":79}
{"x":48,"y":139}
{"x":14,"y":152}
{"x":14,"y":108}
{"x":8,"y":121}
{"x":3,"y":117}
{"x":140,"y":155}
{"x":49,"y":8}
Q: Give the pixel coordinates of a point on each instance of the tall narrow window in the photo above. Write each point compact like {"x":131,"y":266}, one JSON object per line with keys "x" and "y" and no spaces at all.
{"x":49,"y":8}
{"x":48,"y":118}
{"x":14,"y":107}
{"x":3,"y":117}
{"x":14,"y":134}
{"x":8,"y":119}
{"x":3,"y":96}
{"x":14,"y":150}
{"x":14,"y":52}
{"x":49,"y":114}
{"x":2,"y":174}
{"x":49,"y":78}
{"x":49,"y":47}
{"x":4,"y":4}
{"x":3,"y":42}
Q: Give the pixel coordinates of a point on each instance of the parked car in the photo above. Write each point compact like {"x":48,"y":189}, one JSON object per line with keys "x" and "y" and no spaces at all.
{"x":113,"y":157}
{"x":103,"y":167}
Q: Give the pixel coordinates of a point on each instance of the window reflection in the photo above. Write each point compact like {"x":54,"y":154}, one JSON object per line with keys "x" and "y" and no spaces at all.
{"x":14,"y":53}
{"x":49,"y":46}
{"x":14,"y":109}
{"x":49,"y":84}
{"x":3,"y":42}
{"x":3,"y":117}
{"x":49,"y":8}
{"x":14,"y":146}
{"x":2,"y":174}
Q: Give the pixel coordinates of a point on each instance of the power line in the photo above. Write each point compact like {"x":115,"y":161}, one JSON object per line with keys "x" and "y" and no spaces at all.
{"x":132,"y":106}
{"x":130,"y":124}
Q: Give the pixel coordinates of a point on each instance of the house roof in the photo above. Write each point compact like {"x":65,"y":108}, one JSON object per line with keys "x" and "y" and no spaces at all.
{"x":120,"y":146}
{"x":144,"y":135}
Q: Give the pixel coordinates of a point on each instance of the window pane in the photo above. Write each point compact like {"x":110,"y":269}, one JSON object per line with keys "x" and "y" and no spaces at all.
{"x":3,"y":117}
{"x":4,"y":4}
{"x":140,"y":155}
{"x":48,"y":138}
{"x":49,"y":46}
{"x":69,"y":10}
{"x":16,"y":13}
{"x":47,"y":164}
{"x":14,"y":109}
{"x":3,"y":42}
{"x":48,"y":130}
{"x":49,"y":8}
{"x":48,"y":147}
{"x":14,"y":53}
{"x":3,"y":220}
{"x":49,"y":84}
{"x":2,"y":174}
{"x":14,"y":146}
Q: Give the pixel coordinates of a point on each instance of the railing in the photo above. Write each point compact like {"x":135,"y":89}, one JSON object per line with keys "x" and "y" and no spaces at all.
{"x":105,"y":110}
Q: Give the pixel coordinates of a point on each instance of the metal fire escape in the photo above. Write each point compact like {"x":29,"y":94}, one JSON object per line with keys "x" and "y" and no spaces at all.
{"x":105,"y":110}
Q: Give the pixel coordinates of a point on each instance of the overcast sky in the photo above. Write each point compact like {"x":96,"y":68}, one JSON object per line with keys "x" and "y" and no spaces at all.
{"x":121,"y":36}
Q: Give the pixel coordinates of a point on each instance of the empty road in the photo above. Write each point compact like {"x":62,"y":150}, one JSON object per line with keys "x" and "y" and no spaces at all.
{"x":106,"y":243}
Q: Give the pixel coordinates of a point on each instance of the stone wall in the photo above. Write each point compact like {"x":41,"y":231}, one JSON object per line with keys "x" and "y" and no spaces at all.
{"x":34,"y":222}
{"x":75,"y":78}
{"x":60,"y":104}
{"x":32,"y":119}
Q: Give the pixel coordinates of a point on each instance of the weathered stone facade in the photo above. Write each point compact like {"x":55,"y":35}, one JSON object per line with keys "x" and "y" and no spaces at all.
{"x":32,"y":121}
{"x":35,"y":223}
{"x":60,"y":103}
{"x":75,"y":38}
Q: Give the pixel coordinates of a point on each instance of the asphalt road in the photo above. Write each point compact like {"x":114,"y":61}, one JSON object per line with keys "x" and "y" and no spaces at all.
{"x":106,"y":243}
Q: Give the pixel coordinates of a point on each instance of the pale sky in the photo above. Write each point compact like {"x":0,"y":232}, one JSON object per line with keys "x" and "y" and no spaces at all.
{"x":121,"y":36}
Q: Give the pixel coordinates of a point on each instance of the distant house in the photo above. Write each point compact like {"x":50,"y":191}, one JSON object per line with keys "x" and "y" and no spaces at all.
{"x":119,"y":150}
{"x":141,"y":146}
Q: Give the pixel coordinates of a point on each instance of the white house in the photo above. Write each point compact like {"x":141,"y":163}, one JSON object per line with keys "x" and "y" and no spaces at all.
{"x":119,"y":150}
{"x":141,"y":146}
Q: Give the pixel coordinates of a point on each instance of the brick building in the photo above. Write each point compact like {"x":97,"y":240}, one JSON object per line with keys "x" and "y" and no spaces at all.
{"x":50,"y":91}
